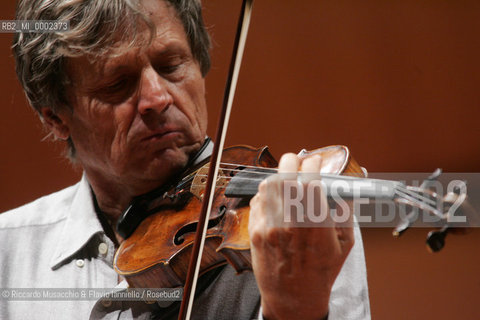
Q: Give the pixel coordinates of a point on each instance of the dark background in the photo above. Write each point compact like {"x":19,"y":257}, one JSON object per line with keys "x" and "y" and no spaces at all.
{"x":396,"y":81}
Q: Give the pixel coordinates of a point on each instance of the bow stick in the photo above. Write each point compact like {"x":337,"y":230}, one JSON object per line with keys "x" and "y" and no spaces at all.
{"x":230,"y":86}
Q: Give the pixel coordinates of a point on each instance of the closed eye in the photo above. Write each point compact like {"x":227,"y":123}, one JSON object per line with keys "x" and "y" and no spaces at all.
{"x":116,"y":91}
{"x":168,"y":69}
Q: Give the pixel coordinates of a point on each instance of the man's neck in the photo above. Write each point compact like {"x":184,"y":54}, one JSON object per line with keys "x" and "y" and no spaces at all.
{"x":112,"y":198}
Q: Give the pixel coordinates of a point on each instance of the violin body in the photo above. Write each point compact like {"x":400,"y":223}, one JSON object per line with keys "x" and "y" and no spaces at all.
{"x":156,"y":255}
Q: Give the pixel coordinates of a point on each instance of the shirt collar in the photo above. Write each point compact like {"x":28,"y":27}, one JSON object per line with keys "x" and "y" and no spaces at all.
{"x":206,"y":152}
{"x":81,"y":225}
{"x":82,"y":220}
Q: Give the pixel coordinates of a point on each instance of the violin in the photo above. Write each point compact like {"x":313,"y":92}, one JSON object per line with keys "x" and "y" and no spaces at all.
{"x":157,"y":253}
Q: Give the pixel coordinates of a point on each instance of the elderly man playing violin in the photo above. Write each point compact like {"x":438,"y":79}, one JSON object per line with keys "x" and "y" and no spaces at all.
{"x":124,"y":88}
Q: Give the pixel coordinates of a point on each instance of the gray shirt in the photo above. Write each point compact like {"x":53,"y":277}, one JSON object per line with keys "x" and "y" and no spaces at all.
{"x":57,"y":241}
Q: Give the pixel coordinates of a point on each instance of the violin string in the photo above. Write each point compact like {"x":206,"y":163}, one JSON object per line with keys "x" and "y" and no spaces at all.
{"x":412,"y":193}
{"x":236,"y":177}
{"x":258,"y":173}
{"x":265,"y":173}
{"x":418,"y":199}
{"x":251,"y":172}
{"x":413,"y":196}
{"x":403,"y":195}
{"x":420,"y":204}
{"x":246,"y":166}
{"x":230,"y":178}
{"x":401,"y":191}
{"x":417,"y":195}
{"x":406,"y":196}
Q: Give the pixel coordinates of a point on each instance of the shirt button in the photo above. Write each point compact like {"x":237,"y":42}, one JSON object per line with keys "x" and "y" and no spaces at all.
{"x":164,"y":304}
{"x":103,"y":248}
{"x":106,"y":303}
{"x":80,"y":263}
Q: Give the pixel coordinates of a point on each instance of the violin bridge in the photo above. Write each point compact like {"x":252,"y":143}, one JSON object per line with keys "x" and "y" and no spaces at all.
{"x":200,"y":181}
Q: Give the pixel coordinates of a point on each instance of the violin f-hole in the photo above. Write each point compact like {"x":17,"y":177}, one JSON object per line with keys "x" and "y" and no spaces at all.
{"x":192,"y":227}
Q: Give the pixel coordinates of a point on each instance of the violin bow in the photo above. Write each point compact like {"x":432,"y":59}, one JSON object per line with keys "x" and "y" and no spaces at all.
{"x":230,"y":86}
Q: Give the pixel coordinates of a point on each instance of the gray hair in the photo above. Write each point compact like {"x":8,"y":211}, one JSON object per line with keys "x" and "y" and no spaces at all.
{"x":95,"y":26}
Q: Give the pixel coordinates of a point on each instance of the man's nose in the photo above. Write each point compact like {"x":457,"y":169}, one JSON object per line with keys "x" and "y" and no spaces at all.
{"x":154,"y":95}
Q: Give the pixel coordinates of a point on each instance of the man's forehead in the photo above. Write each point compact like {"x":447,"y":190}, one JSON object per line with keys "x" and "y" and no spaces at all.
{"x":169,"y":38}
{"x":131,"y":58}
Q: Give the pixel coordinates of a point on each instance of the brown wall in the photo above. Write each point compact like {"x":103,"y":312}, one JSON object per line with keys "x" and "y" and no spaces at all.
{"x":396,"y":81}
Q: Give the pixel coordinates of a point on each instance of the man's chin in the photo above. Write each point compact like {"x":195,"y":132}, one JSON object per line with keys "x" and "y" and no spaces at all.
{"x":166,"y":164}
{"x":160,"y":166}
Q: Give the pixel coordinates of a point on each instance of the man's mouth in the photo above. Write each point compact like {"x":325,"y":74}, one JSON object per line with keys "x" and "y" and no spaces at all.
{"x":164,"y":134}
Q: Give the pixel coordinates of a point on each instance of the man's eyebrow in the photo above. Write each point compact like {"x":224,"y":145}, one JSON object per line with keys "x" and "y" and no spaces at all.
{"x":104,"y":76}
{"x":129,"y":61}
{"x":122,"y":63}
{"x":168,"y":49}
{"x":115,"y":69}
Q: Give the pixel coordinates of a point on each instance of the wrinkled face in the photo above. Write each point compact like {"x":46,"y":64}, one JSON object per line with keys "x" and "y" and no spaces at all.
{"x":137,"y":117}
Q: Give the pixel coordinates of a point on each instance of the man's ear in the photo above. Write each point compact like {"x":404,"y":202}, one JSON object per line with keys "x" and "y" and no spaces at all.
{"x":55,"y":123}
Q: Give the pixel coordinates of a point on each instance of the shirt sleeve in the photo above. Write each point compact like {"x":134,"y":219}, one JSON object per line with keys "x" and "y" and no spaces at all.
{"x":349,"y":298}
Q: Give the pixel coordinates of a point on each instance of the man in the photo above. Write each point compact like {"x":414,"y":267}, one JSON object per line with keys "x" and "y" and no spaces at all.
{"x":125,"y":89}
